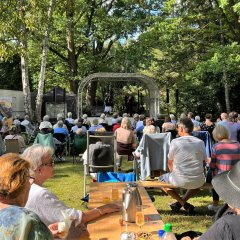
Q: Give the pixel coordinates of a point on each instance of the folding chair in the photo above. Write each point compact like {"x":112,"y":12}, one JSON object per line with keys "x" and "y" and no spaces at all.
{"x":153,"y":150}
{"x":12,"y":146}
{"x":79,"y":145}
{"x":100,"y":155}
{"x":61,"y":144}
{"x":45,"y":140}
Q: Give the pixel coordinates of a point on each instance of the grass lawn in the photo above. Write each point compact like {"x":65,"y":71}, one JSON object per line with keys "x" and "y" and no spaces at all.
{"x":67,"y":184}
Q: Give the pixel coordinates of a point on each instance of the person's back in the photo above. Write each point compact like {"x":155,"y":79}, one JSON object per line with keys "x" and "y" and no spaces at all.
{"x":232,"y":125}
{"x":188,"y":153}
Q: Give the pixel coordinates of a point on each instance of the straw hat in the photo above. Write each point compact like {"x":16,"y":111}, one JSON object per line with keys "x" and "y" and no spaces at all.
{"x":227,"y":185}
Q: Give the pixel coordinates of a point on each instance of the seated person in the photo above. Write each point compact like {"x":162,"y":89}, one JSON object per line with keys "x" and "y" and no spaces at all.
{"x":139,"y":127}
{"x":18,"y":222}
{"x":60,"y":140}
{"x":78,"y":124}
{"x":45,"y":124}
{"x":29,"y":128}
{"x":227,"y":186}
{"x":86,"y":122}
{"x":117,"y":125}
{"x":225,"y":154}
{"x":13,"y":134}
{"x":4,"y":129}
{"x":45,"y":203}
{"x":114,"y":118}
{"x":17,"y":123}
{"x":168,"y":125}
{"x":102,"y":120}
{"x":185,"y":162}
{"x":126,"y":139}
{"x":95,"y":125}
{"x":135,"y":120}
{"x":60,"y":117}
{"x":69,"y":118}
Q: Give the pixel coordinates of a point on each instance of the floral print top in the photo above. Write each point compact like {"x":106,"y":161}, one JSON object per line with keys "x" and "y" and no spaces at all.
{"x":18,"y":223}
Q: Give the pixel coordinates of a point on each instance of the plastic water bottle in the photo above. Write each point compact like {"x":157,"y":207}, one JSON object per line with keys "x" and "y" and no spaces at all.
{"x":160,"y":234}
{"x":168,"y":235}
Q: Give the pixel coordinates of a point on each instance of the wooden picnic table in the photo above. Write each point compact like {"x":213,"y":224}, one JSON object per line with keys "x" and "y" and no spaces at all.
{"x":111,"y":226}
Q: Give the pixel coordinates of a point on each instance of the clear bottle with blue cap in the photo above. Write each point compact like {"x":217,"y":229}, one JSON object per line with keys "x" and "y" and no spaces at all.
{"x":168,"y":235}
{"x":160,"y":234}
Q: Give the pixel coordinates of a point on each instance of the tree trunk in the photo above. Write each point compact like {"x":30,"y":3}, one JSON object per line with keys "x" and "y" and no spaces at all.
{"x":91,"y":93}
{"x":226,"y":91}
{"x":72,"y":59}
{"x":43,"y":62}
{"x":25,"y":84}
{"x":24,"y":68}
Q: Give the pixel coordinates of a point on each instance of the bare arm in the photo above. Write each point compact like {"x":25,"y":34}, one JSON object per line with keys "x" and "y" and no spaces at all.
{"x":92,"y":214}
{"x":170,"y":165}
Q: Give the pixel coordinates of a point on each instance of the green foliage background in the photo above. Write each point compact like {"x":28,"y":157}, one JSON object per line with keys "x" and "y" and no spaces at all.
{"x":184,"y":45}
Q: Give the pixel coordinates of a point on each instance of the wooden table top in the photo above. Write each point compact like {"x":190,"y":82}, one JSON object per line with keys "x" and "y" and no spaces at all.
{"x":111,"y":226}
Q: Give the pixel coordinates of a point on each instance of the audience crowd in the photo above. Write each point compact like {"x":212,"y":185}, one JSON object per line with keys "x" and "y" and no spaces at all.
{"x":189,"y":165}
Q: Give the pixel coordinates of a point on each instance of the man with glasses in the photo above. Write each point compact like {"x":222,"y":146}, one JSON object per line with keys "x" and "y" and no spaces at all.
{"x":185,"y":162}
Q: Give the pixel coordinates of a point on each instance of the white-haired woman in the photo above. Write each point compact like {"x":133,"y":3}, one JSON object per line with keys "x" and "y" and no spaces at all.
{"x":46,"y":204}
{"x":69,"y":118}
{"x":126,"y":139}
{"x":45,"y":124}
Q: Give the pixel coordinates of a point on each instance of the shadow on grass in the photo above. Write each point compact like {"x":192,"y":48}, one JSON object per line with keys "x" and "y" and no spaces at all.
{"x":60,"y":175}
{"x":200,"y":211}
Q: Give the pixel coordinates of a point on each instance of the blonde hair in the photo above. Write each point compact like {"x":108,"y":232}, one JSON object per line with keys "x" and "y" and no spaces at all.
{"x":220,"y":132}
{"x":100,"y":130}
{"x":150,"y":129}
{"x":14,"y":172}
{"x":126,"y":123}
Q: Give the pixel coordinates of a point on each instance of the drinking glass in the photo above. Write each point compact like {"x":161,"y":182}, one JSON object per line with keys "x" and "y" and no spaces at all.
{"x":106,"y":194}
{"x":139,"y":218}
{"x":114,"y":193}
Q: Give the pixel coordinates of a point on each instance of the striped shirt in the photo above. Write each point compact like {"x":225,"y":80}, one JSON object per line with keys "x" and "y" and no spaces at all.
{"x":224,"y":156}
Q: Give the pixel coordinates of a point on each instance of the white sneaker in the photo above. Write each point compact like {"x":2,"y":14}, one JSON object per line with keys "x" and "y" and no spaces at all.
{"x":213,"y":207}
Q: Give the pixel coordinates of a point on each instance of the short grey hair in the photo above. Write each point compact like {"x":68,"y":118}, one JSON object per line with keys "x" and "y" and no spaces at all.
{"x":60,"y":123}
{"x":46,"y":118}
{"x":197,"y":118}
{"x":35,"y":154}
{"x":95,"y":122}
{"x":69,"y":114}
{"x":59,"y":116}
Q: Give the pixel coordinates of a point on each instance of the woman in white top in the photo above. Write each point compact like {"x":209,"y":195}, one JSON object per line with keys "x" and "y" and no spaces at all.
{"x":45,"y":203}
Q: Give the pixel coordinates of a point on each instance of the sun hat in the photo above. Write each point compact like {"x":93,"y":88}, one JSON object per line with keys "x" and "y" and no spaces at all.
{"x":44,"y":125}
{"x":227,"y":185}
